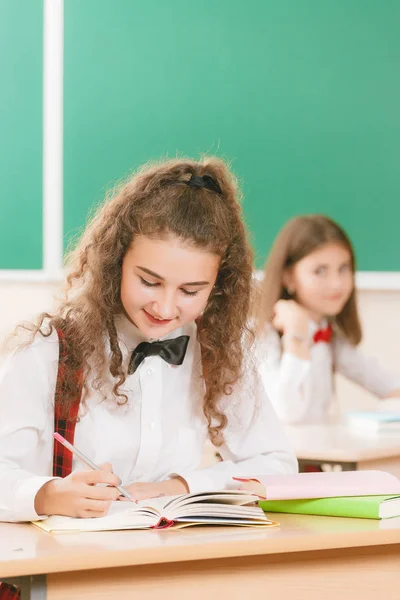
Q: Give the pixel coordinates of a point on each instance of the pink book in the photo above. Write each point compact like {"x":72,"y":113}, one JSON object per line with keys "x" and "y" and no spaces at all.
{"x":323,"y":485}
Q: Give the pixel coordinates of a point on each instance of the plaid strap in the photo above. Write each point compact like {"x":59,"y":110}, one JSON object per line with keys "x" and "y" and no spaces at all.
{"x":9,"y":592}
{"x":62,"y":458}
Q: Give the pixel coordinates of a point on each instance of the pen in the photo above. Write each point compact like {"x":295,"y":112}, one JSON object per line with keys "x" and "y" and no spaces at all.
{"x":88,"y":462}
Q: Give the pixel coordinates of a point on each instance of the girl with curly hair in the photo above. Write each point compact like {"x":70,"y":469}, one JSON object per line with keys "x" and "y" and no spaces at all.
{"x":147,"y":356}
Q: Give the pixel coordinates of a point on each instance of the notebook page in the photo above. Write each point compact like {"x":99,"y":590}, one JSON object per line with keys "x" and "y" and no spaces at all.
{"x":122,"y":515}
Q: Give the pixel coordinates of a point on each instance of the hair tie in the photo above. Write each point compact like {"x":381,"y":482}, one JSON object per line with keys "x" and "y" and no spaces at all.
{"x":204,"y":181}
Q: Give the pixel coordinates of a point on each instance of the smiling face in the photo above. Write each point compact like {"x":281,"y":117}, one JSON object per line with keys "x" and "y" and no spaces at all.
{"x":165,"y":284}
{"x":323,"y":280}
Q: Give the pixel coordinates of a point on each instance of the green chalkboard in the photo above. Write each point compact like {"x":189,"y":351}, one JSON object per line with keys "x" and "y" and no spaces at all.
{"x":21,"y":42}
{"x":302,"y":96}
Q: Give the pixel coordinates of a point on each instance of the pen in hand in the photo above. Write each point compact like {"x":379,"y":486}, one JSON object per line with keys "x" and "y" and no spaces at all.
{"x":88,"y":462}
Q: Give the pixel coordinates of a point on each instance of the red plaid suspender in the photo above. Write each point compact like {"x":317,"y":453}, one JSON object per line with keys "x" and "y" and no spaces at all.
{"x":9,"y":592}
{"x":62,"y":458}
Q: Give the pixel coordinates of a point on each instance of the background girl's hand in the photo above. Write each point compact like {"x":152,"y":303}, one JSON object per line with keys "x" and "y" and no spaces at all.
{"x":169,"y":487}
{"x":291,"y":318}
{"x":78,"y":494}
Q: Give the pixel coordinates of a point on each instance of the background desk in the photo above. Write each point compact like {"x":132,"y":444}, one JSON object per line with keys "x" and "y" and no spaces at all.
{"x":307,"y":558}
{"x":350,"y":448}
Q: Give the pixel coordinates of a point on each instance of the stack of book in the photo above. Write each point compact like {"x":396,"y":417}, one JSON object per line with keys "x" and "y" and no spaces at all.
{"x":374,"y":422}
{"x":364,"y":494}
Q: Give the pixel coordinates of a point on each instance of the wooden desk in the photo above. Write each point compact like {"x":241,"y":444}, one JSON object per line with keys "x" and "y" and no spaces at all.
{"x":307,"y":558}
{"x":336,"y":443}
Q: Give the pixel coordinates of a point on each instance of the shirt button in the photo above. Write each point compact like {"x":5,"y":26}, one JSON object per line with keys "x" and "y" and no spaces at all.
{"x":150,"y":371}
{"x":152,"y":425}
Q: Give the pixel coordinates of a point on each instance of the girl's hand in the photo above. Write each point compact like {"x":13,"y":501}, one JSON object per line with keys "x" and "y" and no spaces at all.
{"x":292,"y":321}
{"x":169,"y":487}
{"x":255,"y":487}
{"x":77,"y":495}
{"x":290,"y":318}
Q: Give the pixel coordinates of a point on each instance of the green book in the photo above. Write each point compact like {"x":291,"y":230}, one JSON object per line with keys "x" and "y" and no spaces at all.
{"x":364,"y":507}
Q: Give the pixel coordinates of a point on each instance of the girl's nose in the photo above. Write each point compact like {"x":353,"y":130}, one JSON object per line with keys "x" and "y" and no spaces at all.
{"x":166,"y":305}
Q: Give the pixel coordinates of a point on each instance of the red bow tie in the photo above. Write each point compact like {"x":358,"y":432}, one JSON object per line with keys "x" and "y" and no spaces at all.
{"x":323,"y":335}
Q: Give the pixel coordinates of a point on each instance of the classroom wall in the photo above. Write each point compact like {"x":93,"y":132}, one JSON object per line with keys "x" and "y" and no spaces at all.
{"x":379,"y":314}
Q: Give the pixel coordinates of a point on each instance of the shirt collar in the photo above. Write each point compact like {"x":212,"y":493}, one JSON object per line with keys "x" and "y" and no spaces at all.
{"x":130,"y":336}
{"x":313,"y":326}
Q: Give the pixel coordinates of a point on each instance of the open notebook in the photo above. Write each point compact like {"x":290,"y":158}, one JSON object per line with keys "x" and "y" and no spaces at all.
{"x":227,"y":507}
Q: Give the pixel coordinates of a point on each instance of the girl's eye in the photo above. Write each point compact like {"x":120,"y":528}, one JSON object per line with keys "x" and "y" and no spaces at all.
{"x":320,"y":271}
{"x":187,"y":293}
{"x":345,"y":268}
{"x":147,"y":283}
{"x":156,"y":284}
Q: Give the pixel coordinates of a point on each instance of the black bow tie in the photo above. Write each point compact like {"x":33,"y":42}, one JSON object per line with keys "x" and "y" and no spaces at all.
{"x":172,"y":351}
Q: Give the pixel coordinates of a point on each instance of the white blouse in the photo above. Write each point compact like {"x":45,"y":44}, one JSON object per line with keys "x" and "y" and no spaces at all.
{"x":159,"y":432}
{"x":302,"y":390}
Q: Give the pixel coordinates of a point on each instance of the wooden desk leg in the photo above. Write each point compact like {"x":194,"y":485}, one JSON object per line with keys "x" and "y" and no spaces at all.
{"x":306,"y":465}
{"x":32,"y":587}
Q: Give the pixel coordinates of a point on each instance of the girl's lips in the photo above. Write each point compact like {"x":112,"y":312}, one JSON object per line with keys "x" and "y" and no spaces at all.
{"x":154,"y":320}
{"x":336,"y":298}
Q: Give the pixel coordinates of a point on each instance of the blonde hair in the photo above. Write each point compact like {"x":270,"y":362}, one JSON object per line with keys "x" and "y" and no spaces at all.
{"x":157,"y":202}
{"x":298,"y":238}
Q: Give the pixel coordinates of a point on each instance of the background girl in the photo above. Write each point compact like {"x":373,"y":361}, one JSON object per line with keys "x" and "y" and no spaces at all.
{"x":309,"y":321}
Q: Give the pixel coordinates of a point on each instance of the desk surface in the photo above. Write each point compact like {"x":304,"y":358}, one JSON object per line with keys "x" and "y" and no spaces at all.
{"x":338,"y":442}
{"x":26,"y":550}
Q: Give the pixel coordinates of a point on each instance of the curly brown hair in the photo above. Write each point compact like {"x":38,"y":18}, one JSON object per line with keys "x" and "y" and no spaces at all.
{"x":298,"y":238}
{"x":157,"y":202}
